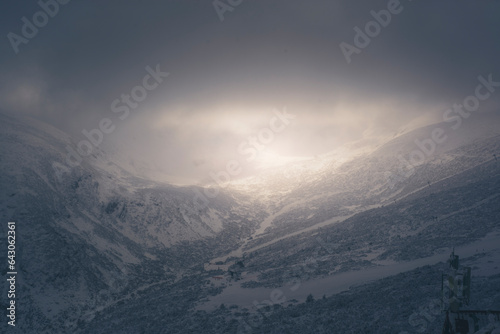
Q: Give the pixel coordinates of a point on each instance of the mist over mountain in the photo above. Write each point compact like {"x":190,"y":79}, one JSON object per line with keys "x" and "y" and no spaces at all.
{"x":267,"y":167}
{"x":103,"y":250}
{"x":97,"y":229}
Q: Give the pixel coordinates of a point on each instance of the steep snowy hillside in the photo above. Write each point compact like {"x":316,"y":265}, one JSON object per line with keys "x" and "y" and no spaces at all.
{"x":311,"y":192}
{"x":94,"y":232}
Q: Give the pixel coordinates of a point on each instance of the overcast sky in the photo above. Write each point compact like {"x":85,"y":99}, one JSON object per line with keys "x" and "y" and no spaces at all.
{"x":228,"y":78}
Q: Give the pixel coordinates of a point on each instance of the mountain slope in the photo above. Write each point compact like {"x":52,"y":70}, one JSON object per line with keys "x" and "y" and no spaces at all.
{"x":98,"y":232}
{"x":95,"y":240}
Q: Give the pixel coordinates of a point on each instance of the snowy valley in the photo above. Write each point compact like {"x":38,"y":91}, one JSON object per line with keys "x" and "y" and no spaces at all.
{"x":316,"y":246}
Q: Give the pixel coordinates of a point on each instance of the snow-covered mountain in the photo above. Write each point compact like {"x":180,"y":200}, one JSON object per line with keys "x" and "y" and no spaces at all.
{"x":310,"y":192}
{"x":101,"y":249}
{"x":95,"y":229}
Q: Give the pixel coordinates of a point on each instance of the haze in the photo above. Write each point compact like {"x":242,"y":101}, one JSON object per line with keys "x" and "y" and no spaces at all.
{"x":228,"y":79}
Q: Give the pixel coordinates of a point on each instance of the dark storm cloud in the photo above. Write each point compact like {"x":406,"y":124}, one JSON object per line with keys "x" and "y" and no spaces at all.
{"x":264,"y":54}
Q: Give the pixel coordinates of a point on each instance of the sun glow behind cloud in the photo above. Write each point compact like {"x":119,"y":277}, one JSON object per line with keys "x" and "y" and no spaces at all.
{"x":191,"y":141}
{"x":227,"y":78}
{"x":269,"y":159}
